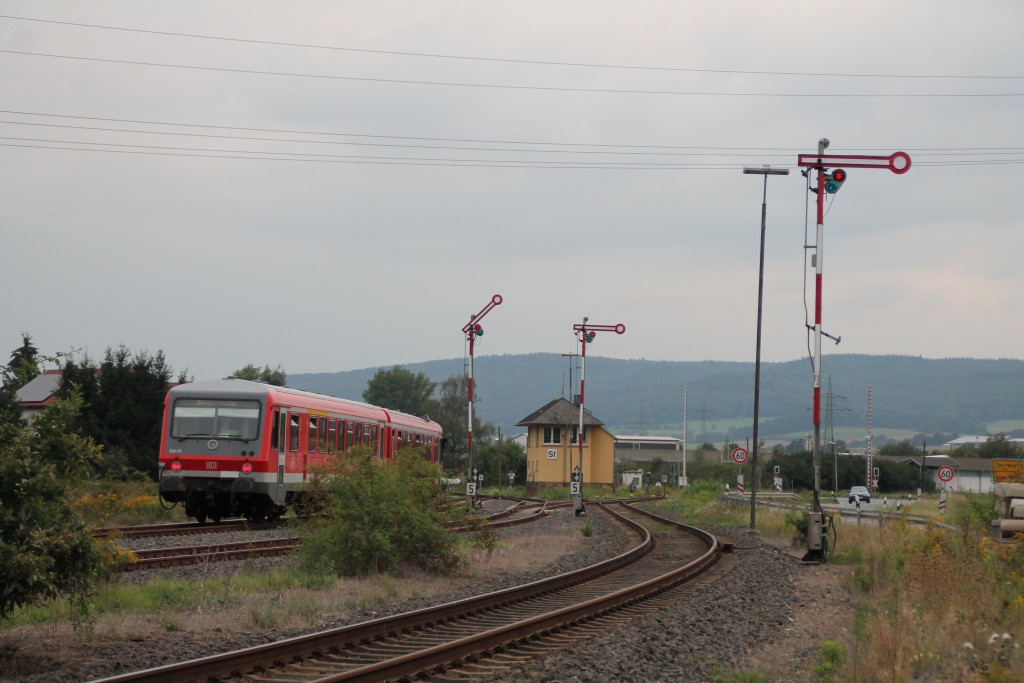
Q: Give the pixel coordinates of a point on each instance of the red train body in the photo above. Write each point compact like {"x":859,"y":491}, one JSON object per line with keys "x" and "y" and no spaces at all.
{"x":233,"y":447}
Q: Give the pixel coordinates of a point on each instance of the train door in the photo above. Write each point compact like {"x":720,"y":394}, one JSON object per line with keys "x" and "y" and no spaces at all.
{"x":282,"y":453}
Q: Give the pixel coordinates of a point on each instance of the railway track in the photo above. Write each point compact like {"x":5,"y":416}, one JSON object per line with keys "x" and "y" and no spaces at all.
{"x":185,"y":555}
{"x":469,"y":638}
{"x":522,"y":511}
{"x":182,"y":529}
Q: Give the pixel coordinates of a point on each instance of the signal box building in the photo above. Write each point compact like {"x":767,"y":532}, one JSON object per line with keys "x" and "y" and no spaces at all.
{"x":552,"y":449}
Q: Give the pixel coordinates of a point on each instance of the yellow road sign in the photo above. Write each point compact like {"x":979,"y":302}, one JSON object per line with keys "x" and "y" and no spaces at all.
{"x":1008,"y":471}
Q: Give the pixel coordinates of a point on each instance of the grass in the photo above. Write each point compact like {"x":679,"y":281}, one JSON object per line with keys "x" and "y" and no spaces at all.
{"x":1003,"y":426}
{"x":103,"y":503}
{"x":930,"y":603}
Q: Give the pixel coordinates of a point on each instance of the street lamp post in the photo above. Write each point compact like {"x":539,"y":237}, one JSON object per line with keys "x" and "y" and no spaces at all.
{"x":762,"y":171}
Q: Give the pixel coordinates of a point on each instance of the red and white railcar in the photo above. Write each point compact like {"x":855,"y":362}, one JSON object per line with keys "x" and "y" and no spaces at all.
{"x":234,"y":447}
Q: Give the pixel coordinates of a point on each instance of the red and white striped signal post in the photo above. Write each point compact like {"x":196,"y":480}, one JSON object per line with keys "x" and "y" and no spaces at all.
{"x":586,"y":333}
{"x":472,"y":330}
{"x":829,"y":183}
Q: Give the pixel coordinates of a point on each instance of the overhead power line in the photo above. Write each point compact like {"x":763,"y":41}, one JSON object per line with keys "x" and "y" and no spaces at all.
{"x":510,"y":155}
{"x":396,"y":137}
{"x":506,"y":86}
{"x":386,"y":161}
{"x":617,"y":152}
{"x":265,"y":155}
{"x":507,"y":60}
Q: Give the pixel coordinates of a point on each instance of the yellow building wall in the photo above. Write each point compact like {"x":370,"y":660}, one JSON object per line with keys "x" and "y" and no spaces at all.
{"x":553,"y":463}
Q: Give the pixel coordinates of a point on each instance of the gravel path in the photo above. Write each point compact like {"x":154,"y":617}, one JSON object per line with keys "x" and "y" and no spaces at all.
{"x":722,"y":626}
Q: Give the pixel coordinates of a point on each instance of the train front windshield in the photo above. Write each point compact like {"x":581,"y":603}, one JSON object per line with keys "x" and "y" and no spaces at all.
{"x":195,"y":418}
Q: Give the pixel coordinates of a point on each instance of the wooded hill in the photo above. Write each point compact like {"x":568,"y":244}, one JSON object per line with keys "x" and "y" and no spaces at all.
{"x":931,"y":396}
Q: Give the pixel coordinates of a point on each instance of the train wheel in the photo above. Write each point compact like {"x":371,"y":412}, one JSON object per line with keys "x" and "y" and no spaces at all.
{"x":216,"y":519}
{"x":201,"y":517}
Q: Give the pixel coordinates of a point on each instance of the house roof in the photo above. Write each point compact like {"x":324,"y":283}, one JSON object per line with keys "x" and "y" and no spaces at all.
{"x":41,"y":389}
{"x":558,"y":412}
{"x":968,"y":440}
{"x":934,"y":462}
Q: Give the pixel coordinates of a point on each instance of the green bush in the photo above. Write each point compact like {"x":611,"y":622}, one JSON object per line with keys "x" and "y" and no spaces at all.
{"x":379,"y":515}
{"x":45,"y":551}
{"x":830,"y":659}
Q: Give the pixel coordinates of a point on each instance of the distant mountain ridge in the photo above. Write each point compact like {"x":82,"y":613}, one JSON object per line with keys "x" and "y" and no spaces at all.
{"x":956,"y":395}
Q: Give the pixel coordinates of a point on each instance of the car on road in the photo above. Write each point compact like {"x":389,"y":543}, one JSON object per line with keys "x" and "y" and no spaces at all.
{"x":862,"y":492}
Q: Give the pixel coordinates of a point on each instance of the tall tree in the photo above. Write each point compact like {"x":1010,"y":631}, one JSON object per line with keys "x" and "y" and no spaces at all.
{"x":399,"y":389}
{"x":998,"y":446}
{"x":276,"y":377}
{"x":24,"y":365}
{"x":449,"y":410}
{"x":123,"y":411}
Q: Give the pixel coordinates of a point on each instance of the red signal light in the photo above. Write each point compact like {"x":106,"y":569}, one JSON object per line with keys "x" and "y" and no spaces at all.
{"x":834,"y":180}
{"x":176,"y":466}
{"x":247,"y":467}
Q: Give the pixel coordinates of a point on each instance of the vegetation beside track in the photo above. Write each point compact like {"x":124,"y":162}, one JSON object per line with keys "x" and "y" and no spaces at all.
{"x":931,"y":603}
{"x":379,"y":516}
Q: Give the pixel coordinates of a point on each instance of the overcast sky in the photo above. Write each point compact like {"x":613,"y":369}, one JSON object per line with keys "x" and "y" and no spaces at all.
{"x":338,"y":185}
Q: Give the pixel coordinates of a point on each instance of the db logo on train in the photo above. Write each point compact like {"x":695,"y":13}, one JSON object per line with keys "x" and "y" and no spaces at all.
{"x":946,"y":473}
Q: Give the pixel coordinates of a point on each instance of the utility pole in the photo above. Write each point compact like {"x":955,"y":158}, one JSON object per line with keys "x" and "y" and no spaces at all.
{"x":764,"y":171}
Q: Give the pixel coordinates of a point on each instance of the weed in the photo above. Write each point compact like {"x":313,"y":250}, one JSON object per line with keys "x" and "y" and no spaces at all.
{"x":722,"y":676}
{"x":171,"y":623}
{"x":588,"y":529}
{"x":831,"y":656}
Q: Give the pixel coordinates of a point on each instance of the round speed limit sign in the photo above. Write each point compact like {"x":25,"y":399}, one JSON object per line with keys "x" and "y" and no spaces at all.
{"x":946,"y":473}
{"x":739,"y":456}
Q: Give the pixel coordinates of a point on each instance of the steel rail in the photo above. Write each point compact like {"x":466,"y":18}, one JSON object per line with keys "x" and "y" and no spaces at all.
{"x":225,"y":666}
{"x":181,"y":529}
{"x":184,"y":555}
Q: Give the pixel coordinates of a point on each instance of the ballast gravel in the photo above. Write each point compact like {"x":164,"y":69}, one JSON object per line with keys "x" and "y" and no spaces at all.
{"x":723,"y":625}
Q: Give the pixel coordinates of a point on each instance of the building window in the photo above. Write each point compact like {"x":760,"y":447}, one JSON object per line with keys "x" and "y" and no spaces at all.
{"x":573,"y":434}
{"x":553,"y":435}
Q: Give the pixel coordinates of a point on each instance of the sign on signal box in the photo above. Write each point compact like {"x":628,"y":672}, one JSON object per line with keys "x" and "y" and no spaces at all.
{"x":1008,"y":471}
{"x":739,"y":456}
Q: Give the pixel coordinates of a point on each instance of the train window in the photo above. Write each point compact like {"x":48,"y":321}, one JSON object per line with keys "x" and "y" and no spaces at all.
{"x":332,"y":435}
{"x":215,"y":419}
{"x":359,"y":433}
{"x":373,"y":439}
{"x":322,"y":442}
{"x":293,"y":431}
{"x":282,"y":430}
{"x":275,"y":434}
{"x":312,"y":433}
{"x":342,"y":446}
{"x":350,"y":436}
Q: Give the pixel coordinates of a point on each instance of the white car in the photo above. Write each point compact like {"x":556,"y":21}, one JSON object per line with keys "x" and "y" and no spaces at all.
{"x":862,"y":492}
